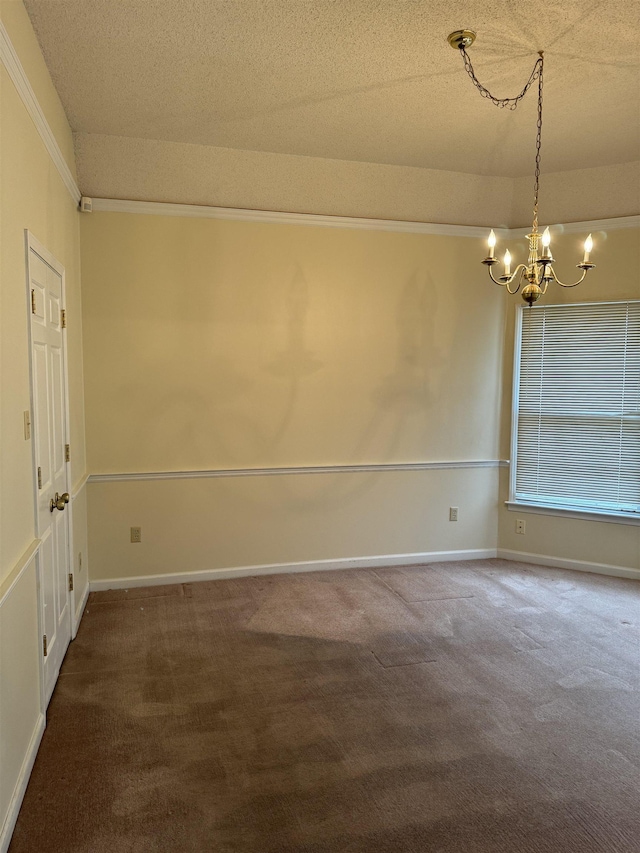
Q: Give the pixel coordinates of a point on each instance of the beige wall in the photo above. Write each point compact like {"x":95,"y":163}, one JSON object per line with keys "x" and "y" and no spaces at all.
{"x":214,"y":345}
{"x":32,"y":196}
{"x":617,"y":255}
{"x":202,"y":525}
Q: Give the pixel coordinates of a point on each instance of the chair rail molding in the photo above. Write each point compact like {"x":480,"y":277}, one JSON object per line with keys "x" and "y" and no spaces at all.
{"x":287,"y":471}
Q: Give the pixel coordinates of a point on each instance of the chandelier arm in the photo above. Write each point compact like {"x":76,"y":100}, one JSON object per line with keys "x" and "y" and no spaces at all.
{"x":519,"y":269}
{"x":519,"y":281}
{"x":562,"y":284}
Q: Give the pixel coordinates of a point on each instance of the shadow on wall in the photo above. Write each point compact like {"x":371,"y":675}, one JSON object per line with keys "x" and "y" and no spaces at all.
{"x":401,"y":394}
{"x":295,"y":362}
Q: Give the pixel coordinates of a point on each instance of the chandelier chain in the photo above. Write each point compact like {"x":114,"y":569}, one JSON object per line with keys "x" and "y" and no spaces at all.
{"x":511,"y":104}
{"x":538,"y":143}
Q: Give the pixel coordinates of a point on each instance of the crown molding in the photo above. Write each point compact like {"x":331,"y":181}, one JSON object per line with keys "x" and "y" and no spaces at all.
{"x":154,"y":208}
{"x":12,"y":63}
{"x":613,"y":224}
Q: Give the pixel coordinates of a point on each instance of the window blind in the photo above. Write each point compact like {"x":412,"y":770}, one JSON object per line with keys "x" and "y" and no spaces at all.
{"x":577,"y":424}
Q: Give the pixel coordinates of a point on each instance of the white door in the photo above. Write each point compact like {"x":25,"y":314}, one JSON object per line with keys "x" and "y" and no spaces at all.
{"x":48,"y":380}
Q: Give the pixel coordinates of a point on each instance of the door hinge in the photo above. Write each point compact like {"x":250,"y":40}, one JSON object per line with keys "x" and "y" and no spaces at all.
{"x":67,"y":453}
{"x":63,"y":318}
{"x":44,"y":645}
{"x":33,"y":301}
{"x":70,"y":581}
{"x":39,"y":477}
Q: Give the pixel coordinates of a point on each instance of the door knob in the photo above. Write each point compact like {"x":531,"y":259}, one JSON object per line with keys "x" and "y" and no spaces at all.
{"x":59,"y":501}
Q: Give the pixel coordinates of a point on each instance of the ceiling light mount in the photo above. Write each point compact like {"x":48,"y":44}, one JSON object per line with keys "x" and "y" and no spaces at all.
{"x":461,"y":38}
{"x":535,"y":275}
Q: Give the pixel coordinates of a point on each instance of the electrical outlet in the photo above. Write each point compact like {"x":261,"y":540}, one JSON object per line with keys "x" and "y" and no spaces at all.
{"x":136,"y":534}
{"x":521,"y":526}
{"x":453,"y":513}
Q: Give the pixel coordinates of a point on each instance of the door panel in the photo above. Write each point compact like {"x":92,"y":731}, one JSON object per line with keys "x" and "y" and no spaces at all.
{"x":41,"y":418}
{"x":57,"y":413}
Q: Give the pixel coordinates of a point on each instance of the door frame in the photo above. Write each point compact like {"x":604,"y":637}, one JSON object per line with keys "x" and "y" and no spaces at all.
{"x":31,"y":243}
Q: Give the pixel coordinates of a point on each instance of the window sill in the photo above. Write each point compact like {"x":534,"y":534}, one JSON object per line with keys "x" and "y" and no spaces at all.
{"x":568,"y":512}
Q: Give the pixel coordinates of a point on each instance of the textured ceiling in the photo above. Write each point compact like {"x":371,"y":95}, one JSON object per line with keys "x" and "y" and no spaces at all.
{"x":366,"y":80}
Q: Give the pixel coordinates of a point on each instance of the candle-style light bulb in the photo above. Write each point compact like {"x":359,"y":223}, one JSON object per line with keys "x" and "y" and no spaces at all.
{"x":492,"y":243}
{"x":588,"y":246}
{"x":546,"y":240}
{"x":507,"y":262}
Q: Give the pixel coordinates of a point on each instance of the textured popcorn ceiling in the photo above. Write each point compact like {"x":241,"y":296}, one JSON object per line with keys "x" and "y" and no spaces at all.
{"x":364,"y":80}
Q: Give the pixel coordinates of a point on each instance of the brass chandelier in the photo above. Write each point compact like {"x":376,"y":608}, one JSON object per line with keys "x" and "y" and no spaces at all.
{"x":535,"y":275}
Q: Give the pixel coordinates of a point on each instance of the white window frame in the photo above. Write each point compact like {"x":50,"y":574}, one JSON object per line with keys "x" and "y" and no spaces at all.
{"x":549,"y":508}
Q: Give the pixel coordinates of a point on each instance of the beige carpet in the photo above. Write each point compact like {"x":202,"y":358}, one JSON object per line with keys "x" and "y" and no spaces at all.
{"x":485,"y":707}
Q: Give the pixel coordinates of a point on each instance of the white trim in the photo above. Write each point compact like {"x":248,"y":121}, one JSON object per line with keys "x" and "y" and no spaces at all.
{"x":19,"y":569}
{"x":77,"y":489}
{"x":154,"y":208}
{"x":416,"y":559}
{"x":574,"y":565}
{"x":12,"y":63}
{"x":515,"y":400}
{"x":32,"y":242}
{"x":79,"y":613}
{"x":21,"y":785}
{"x":613,"y":224}
{"x":574,"y":512}
{"x":314,"y":469}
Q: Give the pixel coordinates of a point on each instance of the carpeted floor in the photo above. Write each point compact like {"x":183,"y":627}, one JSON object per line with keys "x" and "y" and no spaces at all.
{"x":485,"y":707}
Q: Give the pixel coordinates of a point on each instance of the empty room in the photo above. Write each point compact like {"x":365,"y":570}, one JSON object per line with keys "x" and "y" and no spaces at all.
{"x":319,"y":426}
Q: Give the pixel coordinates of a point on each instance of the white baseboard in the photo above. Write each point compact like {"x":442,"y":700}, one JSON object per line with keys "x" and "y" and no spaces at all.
{"x":21,"y":785}
{"x":286,"y":568}
{"x":576,"y":565}
{"x":360,"y":563}
{"x":77,"y":618}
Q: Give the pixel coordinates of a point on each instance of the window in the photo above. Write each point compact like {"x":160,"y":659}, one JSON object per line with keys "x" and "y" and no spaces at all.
{"x":576,"y":424}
